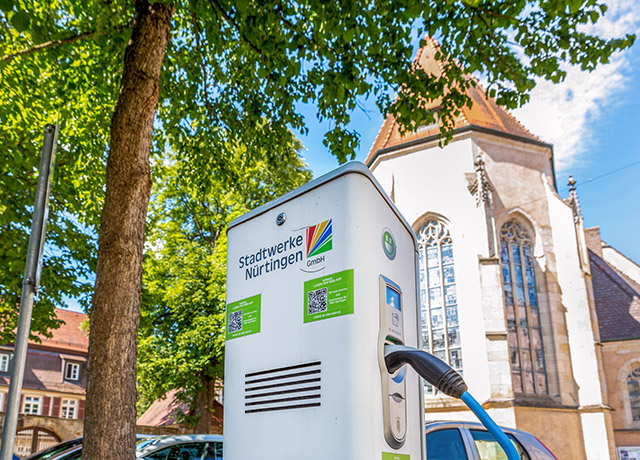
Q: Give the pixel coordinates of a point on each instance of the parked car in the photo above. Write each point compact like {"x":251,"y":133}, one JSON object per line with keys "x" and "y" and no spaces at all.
{"x":179,"y":447}
{"x":471,"y":441}
{"x":65,"y":449}
{"x":55,"y":450}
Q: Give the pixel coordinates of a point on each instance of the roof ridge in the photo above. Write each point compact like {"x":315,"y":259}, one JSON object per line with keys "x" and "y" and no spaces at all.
{"x":607,"y":269}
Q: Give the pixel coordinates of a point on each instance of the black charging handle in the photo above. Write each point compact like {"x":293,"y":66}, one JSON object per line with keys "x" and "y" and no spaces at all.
{"x":433,"y":370}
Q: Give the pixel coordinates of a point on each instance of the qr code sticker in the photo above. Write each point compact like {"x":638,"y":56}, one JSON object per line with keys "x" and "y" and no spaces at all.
{"x":317,"y":301}
{"x":235,"y":321}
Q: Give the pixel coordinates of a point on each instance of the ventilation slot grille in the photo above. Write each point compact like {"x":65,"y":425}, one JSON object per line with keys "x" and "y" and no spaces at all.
{"x":291,"y":387}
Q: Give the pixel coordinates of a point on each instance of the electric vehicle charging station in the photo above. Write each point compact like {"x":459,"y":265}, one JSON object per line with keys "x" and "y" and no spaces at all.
{"x":318,"y":281}
{"x":322,"y":320}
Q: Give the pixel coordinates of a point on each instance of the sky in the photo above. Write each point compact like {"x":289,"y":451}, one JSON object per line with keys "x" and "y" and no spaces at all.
{"x":592,"y":120}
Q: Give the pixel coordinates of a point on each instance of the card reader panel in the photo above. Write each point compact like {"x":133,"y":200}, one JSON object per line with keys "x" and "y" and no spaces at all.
{"x":394,"y":403}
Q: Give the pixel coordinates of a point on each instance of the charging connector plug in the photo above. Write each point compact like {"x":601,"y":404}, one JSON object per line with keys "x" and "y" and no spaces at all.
{"x":440,"y":375}
{"x":433,"y":370}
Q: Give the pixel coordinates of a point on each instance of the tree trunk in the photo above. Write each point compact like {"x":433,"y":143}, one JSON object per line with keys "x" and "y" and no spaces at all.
{"x":204,"y":406}
{"x":110,"y":422}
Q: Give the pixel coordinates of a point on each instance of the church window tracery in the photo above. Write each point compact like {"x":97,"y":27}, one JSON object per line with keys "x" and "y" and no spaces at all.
{"x":438,"y":297}
{"x":524,"y":333}
{"x":633,"y":388}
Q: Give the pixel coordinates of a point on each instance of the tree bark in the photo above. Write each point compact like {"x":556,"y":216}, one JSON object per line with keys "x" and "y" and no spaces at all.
{"x":110,"y":422}
{"x":204,"y":405}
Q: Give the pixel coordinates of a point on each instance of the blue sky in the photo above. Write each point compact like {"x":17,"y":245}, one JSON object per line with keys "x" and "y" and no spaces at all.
{"x":592,"y":119}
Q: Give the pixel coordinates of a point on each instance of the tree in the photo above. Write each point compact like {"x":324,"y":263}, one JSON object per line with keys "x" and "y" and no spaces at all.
{"x":235,"y":63}
{"x":181,"y":338}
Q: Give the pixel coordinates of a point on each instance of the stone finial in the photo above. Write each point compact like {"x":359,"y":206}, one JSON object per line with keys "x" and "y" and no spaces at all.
{"x":573,"y":200}
{"x":480,"y":187}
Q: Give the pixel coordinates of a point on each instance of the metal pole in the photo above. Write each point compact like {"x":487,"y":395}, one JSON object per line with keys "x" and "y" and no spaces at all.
{"x":29,"y":290}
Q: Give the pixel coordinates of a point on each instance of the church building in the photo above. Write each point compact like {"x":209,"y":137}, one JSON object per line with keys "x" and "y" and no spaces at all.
{"x":514,"y":293}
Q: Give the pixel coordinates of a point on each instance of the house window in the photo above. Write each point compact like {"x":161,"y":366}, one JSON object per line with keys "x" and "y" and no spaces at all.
{"x":72,"y":371}
{"x":633,"y":388}
{"x":438,"y":298}
{"x":69,"y":408}
{"x":4,"y":362}
{"x":526,"y":352}
{"x":32,"y":405}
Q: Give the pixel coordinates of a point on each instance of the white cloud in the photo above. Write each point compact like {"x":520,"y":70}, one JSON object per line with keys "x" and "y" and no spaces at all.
{"x":565,"y":114}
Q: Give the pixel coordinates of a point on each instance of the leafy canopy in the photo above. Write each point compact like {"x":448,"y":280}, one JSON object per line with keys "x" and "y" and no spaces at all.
{"x":181,"y":338}
{"x":234,"y":74}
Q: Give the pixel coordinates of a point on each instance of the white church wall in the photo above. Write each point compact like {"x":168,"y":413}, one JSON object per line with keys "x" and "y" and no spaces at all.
{"x":432,"y":181}
{"x":428,"y":181}
{"x":581,"y":326}
{"x":580,"y":322}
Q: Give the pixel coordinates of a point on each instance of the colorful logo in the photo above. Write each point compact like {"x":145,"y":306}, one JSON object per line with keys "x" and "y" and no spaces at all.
{"x":319,"y":238}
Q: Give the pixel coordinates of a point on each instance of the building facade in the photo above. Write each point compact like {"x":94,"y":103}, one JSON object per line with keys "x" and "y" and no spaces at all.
{"x":53,"y":393}
{"x":506,"y":287}
{"x":616,"y":287}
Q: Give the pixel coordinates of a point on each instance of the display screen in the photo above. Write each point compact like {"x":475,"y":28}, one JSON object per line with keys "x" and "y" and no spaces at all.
{"x":393,"y":298}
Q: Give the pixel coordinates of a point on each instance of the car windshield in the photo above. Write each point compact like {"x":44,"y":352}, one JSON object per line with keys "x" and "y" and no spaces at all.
{"x":489,"y":449}
{"x":55,"y":450}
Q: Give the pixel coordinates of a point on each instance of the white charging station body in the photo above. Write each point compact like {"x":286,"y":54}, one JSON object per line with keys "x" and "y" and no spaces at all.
{"x":317,"y":282}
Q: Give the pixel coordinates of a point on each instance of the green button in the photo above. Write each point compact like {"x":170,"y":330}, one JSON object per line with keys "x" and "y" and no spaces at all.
{"x":389,"y":244}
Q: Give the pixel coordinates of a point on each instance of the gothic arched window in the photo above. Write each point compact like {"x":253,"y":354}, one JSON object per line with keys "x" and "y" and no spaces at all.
{"x":633,"y":388}
{"x":528,"y":371}
{"x":438,"y":298}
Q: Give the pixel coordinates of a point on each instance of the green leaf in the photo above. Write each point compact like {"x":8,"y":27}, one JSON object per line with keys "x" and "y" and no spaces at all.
{"x":6,"y":5}
{"x":21,"y":21}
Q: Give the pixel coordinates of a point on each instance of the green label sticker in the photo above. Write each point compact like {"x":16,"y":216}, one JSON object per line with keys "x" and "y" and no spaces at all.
{"x":328,"y":296}
{"x":389,"y":456}
{"x":243,"y":317}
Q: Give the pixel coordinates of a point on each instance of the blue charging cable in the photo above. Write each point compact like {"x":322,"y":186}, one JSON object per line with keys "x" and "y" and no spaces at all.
{"x":503,"y":440}
{"x":439,"y":374}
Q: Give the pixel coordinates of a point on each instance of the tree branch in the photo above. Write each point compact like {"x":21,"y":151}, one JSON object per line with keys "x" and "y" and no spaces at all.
{"x":58,"y":42}
{"x":216,"y":6}
{"x":203,"y":68}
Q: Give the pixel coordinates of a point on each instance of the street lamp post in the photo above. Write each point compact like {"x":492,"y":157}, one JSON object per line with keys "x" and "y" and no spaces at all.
{"x":29,"y":289}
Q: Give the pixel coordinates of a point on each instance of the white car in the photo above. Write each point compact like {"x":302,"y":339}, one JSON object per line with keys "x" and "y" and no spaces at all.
{"x":181,"y":447}
{"x":178,"y":447}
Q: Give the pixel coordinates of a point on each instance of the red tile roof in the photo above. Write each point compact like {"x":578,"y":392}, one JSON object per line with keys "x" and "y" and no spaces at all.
{"x":69,"y":336}
{"x":43,"y":369}
{"x":163,"y":411}
{"x":484,"y":113}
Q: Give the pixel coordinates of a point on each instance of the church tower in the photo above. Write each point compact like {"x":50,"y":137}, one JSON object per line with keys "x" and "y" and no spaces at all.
{"x":505,"y":294}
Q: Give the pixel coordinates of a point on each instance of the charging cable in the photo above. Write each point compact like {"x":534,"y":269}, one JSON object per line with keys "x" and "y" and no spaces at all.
{"x":444,"y":378}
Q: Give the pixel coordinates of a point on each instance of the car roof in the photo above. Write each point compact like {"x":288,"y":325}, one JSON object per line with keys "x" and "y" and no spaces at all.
{"x":64,"y":444}
{"x":65,"y":453}
{"x":431,"y":426}
{"x":158,"y":442}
